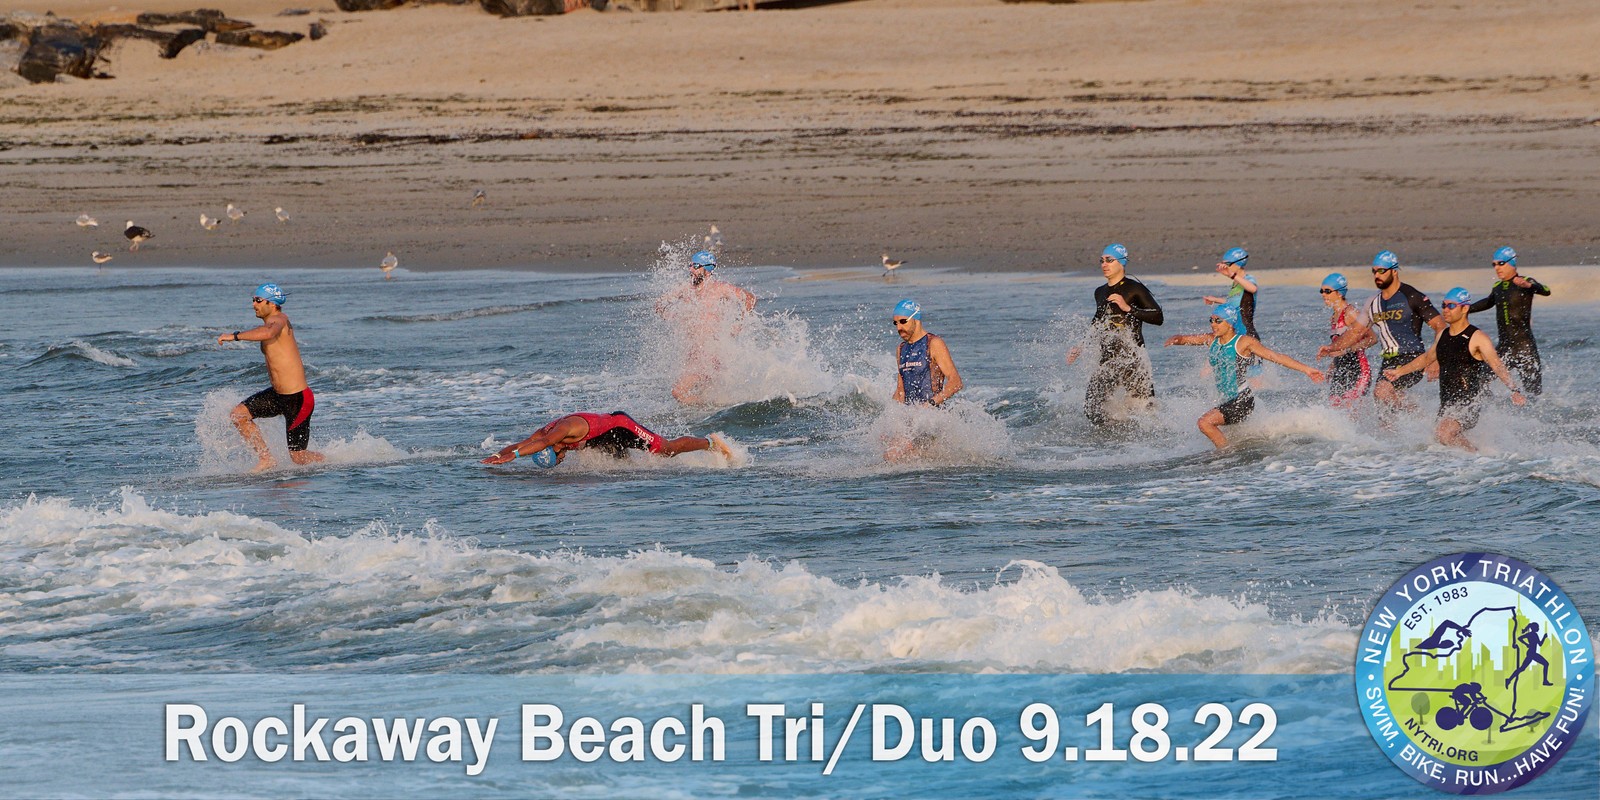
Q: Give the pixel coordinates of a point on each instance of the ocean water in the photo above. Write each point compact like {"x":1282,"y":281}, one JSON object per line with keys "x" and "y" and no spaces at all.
{"x":1019,"y":540}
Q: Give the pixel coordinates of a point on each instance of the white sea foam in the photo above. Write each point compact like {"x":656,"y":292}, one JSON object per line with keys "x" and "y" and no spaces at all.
{"x":712,"y":351}
{"x":224,"y":452}
{"x":90,"y":583}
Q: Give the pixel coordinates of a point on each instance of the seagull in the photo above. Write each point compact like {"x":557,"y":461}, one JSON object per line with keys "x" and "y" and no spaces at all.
{"x":208,"y":223}
{"x":890,"y":266}
{"x":136,"y":234}
{"x":86,"y":221}
{"x":714,"y":239}
{"x":283,"y":216}
{"x":479,"y":198}
{"x":235,"y":213}
{"x":99,"y":257}
{"x":388,"y":264}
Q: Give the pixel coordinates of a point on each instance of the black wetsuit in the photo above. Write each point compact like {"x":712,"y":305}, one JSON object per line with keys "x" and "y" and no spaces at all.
{"x":1121,"y":334}
{"x":1461,"y":378}
{"x":1513,"y":307}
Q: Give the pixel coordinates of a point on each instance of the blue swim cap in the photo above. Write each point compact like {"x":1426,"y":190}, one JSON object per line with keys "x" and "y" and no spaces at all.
{"x":1507,"y":255}
{"x":1458,"y":295}
{"x":1237,"y":257}
{"x":271,"y":293}
{"x":1336,"y":282}
{"x":1230,"y":315}
{"x":1386,"y":260}
{"x":545,"y":458}
{"x":1117,"y":252}
{"x":908,"y":308}
{"x":704,"y":260}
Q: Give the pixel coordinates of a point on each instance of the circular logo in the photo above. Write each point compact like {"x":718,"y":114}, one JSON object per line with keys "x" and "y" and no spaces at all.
{"x":1474,"y":673}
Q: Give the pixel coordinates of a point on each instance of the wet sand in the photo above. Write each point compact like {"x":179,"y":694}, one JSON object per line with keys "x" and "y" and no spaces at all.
{"x":953,"y":133}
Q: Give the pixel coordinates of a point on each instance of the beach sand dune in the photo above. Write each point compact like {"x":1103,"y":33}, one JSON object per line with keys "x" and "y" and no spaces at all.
{"x":952,"y":133}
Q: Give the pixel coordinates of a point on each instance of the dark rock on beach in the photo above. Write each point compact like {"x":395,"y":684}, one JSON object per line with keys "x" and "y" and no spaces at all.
{"x":61,"y":48}
{"x":209,"y":19}
{"x":368,"y":5}
{"x":265,"y":40}
{"x":529,"y":8}
{"x":170,"y":43}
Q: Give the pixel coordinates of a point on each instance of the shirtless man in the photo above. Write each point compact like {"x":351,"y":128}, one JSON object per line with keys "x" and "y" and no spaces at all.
{"x":697,"y":309}
{"x":288,"y":397}
{"x":614,"y":433}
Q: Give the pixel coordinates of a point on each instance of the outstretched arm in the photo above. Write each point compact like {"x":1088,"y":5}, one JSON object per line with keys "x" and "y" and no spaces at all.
{"x":261,"y":333}
{"x":1190,"y":339}
{"x":567,"y":430}
{"x":1423,"y":361}
{"x":1250,"y":346}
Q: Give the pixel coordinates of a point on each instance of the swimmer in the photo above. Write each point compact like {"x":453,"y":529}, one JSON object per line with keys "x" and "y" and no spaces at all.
{"x":1512,"y":301}
{"x":1122,"y":308}
{"x":1461,"y":351}
{"x":615,"y":434}
{"x":926,"y":373}
{"x":699,"y":311}
{"x":289,"y":396}
{"x":1241,"y":292}
{"x":1396,"y":315}
{"x":1350,"y":376}
{"x":1229,"y":348}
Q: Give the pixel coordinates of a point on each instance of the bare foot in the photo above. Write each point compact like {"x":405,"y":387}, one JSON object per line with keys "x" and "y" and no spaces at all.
{"x":263,"y":465}
{"x":303,"y":457}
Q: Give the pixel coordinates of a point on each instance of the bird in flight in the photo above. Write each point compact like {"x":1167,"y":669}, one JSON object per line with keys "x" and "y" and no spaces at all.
{"x":136,"y":234}
{"x":86,"y":221}
{"x":388,"y":264}
{"x":890,"y":266}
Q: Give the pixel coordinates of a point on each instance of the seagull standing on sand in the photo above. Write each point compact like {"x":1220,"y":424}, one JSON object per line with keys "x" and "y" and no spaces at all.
{"x":86,"y":221}
{"x":283,"y":216}
{"x":208,"y":223}
{"x":136,"y":234}
{"x":388,"y":264}
{"x":235,"y":213}
{"x":99,"y":257}
{"x":479,"y":198}
{"x":891,"y":266}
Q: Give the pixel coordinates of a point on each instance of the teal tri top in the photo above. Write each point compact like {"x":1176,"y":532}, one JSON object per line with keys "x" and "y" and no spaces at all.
{"x":1225,"y":366}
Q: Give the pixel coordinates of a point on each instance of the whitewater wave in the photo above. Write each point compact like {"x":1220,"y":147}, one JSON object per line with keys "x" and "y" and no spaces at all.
{"x":87,"y":587}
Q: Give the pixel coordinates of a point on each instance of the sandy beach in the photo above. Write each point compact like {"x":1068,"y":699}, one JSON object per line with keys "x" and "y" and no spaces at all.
{"x":953,"y":133}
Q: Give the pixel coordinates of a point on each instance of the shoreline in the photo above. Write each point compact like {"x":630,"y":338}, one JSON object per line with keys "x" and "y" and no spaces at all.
{"x":979,"y":140}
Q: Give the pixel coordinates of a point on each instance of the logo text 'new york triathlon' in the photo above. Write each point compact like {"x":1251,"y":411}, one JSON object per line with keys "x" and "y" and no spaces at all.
{"x":1475,"y":673}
